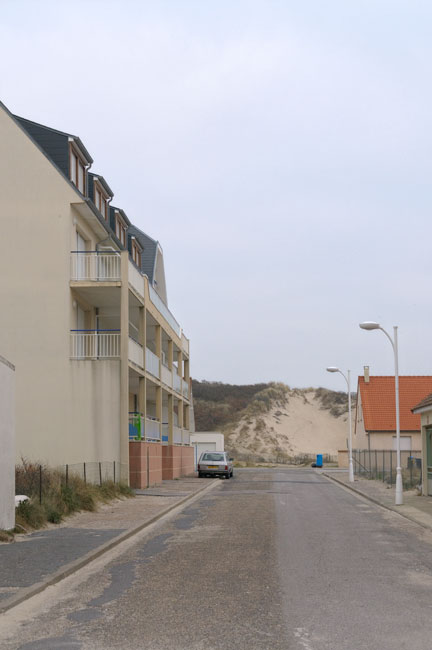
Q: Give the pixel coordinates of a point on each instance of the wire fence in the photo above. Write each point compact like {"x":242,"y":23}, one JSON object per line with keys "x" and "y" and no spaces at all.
{"x":380,"y":464}
{"x":35,"y":479}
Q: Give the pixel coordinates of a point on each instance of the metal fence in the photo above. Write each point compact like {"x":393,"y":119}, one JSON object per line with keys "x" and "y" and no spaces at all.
{"x":282,"y":458}
{"x":380,"y":464}
{"x":33,"y":479}
{"x":98,"y":472}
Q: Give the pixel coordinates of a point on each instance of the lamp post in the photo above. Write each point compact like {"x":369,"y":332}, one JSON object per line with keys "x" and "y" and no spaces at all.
{"x":347,"y":379}
{"x":371,"y":325}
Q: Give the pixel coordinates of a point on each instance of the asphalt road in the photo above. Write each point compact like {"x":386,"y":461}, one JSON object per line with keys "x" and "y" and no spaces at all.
{"x":272,"y":559}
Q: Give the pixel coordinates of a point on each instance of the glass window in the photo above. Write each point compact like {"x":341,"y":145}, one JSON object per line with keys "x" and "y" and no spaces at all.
{"x":136,"y":254}
{"x":121,"y":230}
{"x":214,"y":457}
{"x":81,"y":177}
{"x":101,"y":202}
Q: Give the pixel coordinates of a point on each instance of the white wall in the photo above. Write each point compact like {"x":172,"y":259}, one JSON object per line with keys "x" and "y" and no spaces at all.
{"x":206,"y":440}
{"x":7,"y":444}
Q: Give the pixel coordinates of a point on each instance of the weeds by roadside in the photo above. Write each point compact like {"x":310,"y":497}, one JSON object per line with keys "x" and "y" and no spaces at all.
{"x":53,"y":499}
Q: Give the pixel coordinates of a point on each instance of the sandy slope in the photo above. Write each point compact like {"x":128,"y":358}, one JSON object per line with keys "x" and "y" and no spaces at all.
{"x":301,"y":426}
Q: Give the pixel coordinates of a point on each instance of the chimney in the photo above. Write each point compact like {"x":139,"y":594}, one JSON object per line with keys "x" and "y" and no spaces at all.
{"x":366,"y":374}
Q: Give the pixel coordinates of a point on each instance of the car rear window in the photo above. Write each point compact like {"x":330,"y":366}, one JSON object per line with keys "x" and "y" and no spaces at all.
{"x":213,"y":457}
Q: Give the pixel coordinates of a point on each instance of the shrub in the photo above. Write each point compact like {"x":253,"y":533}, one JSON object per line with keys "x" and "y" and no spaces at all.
{"x":58,"y":499}
{"x":30,"y":514}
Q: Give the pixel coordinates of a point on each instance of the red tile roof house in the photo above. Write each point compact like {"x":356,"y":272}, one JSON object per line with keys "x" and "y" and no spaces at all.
{"x":424,"y":410}
{"x":375,"y":421}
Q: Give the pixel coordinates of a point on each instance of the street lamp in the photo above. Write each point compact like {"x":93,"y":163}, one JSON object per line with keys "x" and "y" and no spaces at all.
{"x":347,"y":379}
{"x":371,"y":325}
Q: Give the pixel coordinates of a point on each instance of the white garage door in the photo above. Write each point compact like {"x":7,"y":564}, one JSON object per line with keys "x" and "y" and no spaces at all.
{"x":203,"y":446}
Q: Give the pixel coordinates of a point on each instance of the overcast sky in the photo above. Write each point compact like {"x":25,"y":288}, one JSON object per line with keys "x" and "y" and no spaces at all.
{"x":279,"y":150}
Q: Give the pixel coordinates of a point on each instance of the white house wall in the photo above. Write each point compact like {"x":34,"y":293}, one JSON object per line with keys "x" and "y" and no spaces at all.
{"x":7,"y":445}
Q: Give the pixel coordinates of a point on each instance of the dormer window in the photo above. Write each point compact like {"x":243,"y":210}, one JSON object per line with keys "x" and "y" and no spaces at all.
{"x":120,"y":229}
{"x":101,"y":200}
{"x":77,"y":169}
{"x":136,"y":252}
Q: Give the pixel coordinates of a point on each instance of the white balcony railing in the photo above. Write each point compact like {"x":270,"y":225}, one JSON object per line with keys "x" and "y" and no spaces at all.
{"x":152,"y":429}
{"x":185,"y":343}
{"x":95,"y":266}
{"x":166,"y":375}
{"x":90,"y":344}
{"x":163,"y":309}
{"x":185,"y":388}
{"x":136,"y":353}
{"x":152,"y":363}
{"x":177,"y":382}
{"x":165,"y":433}
{"x":186,"y":437}
{"x":145,"y":429}
{"x":177,"y":435}
{"x":136,"y":279}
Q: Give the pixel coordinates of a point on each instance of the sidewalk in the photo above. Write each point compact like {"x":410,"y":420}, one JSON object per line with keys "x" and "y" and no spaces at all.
{"x":37,"y":560}
{"x":415,"y":508}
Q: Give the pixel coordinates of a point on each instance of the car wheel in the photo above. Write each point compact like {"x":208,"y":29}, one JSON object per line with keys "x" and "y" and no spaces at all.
{"x":228,"y":475}
{"x":200,"y":474}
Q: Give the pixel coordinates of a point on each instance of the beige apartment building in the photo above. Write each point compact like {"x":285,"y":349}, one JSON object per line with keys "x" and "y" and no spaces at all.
{"x":102,"y":364}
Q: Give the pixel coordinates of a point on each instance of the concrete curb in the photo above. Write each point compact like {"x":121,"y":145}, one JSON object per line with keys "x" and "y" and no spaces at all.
{"x":378,"y":503}
{"x":72,"y":567}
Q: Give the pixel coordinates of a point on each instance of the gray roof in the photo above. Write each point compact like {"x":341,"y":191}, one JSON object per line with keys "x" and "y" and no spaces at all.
{"x":148,"y":256}
{"x":102,"y":181}
{"x":50,"y":140}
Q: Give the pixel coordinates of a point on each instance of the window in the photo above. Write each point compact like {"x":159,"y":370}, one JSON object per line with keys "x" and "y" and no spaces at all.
{"x":136,"y":253}
{"x":120,"y":229}
{"x":77,"y":170}
{"x":405,"y":443}
{"x":101,"y":201}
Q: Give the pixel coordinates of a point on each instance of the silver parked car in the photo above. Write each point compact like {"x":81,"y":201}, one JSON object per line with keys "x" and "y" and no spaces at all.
{"x":215,"y":463}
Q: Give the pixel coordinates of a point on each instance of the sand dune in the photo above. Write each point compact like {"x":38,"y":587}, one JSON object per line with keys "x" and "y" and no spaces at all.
{"x":300,"y":425}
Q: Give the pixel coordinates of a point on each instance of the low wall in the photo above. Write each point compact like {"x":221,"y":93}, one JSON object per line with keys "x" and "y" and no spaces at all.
{"x":7,"y":445}
{"x":188,"y":464}
{"x":145,"y":464}
{"x":177,"y":461}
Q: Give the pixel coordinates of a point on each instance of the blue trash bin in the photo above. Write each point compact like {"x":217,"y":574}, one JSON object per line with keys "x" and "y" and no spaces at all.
{"x":319,"y":461}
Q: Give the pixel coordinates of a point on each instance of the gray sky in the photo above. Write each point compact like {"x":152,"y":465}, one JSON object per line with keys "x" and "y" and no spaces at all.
{"x":279,"y":150}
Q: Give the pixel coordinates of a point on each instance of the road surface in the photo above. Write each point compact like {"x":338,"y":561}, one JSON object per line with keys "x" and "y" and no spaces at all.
{"x":273,"y":559}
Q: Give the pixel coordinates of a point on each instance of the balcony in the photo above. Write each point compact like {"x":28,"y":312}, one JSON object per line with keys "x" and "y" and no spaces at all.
{"x":152,"y":363}
{"x":177,"y":382}
{"x":136,"y":279}
{"x":177,"y":435}
{"x":166,"y":375}
{"x":163,"y":309}
{"x":144,"y":429}
{"x":95,"y":266}
{"x":95,"y":344}
{"x":185,"y":385}
{"x":136,"y":353}
{"x":185,"y":344}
